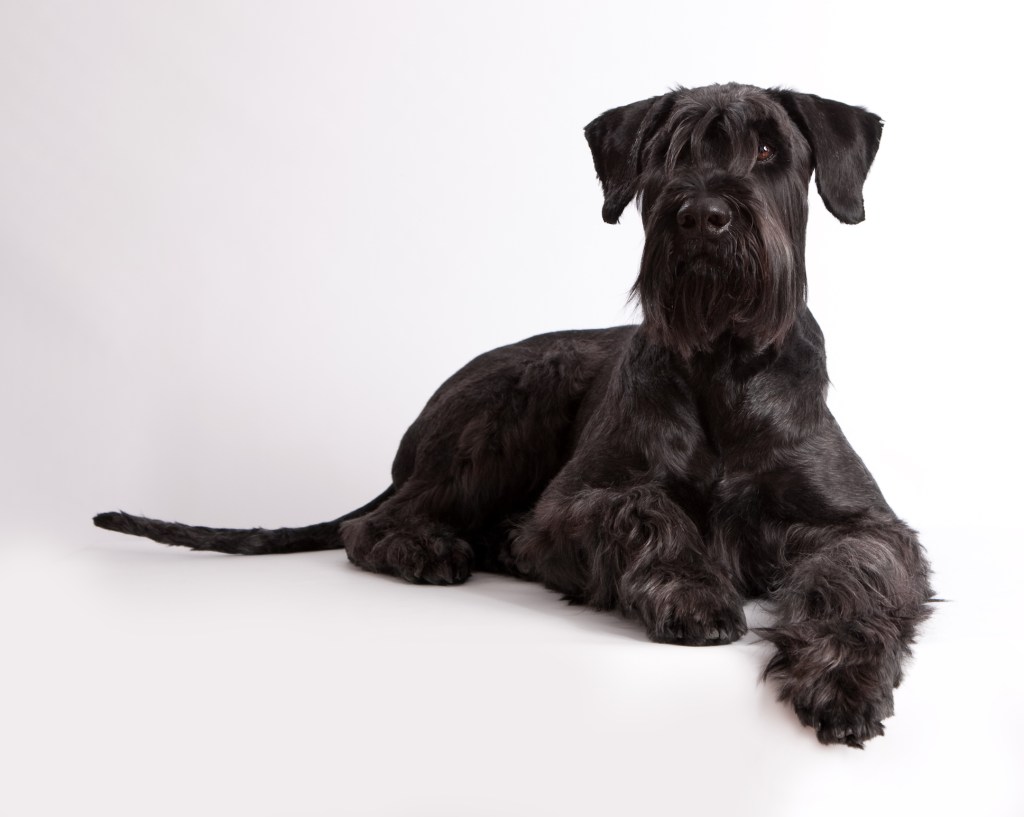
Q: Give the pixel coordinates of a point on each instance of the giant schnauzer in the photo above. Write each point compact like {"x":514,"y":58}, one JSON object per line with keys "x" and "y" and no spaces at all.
{"x":675,"y":468}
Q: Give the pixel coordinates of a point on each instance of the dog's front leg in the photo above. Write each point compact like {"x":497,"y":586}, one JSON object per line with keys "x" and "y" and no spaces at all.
{"x":848,"y":610}
{"x":672,"y":584}
{"x":631,"y":547}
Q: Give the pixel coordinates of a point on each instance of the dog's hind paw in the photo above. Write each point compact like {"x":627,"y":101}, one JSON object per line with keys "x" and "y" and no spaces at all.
{"x":421,"y":554}
{"x":426,"y":558}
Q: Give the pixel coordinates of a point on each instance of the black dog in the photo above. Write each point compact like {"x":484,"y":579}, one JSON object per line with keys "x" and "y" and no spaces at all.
{"x":671,"y":469}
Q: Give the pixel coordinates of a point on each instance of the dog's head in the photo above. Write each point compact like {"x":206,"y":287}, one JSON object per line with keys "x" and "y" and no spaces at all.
{"x":721,"y":175}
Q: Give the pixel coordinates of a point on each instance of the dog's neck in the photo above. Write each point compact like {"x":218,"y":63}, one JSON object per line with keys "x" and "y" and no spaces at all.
{"x":734,"y":381}
{"x":733,"y":358}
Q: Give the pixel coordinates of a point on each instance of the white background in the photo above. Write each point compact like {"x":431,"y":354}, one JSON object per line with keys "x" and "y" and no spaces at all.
{"x":241,"y":244}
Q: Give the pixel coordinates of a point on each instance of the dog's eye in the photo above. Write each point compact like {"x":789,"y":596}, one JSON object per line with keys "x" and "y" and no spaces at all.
{"x":765,"y":152}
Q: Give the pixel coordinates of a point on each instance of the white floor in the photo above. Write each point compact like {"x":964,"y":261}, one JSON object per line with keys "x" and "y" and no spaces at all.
{"x":144,"y":680}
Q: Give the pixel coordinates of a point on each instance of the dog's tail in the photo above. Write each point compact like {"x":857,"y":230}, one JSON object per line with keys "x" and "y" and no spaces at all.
{"x":252,"y":542}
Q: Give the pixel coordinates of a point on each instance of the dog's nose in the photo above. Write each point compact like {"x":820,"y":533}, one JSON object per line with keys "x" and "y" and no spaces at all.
{"x":709,"y":215}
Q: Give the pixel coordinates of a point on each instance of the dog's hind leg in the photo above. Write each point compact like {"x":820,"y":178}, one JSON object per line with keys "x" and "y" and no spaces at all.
{"x":848,"y":610}
{"x":481,"y":451}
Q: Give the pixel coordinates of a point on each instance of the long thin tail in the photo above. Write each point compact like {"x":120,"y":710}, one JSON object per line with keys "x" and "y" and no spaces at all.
{"x":322,"y":536}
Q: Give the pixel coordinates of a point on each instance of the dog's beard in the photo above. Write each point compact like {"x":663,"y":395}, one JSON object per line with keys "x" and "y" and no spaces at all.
{"x":748,"y":282}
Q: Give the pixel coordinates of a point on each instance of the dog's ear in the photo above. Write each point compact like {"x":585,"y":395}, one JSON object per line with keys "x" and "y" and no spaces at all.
{"x":844,"y":140}
{"x":616,"y":140}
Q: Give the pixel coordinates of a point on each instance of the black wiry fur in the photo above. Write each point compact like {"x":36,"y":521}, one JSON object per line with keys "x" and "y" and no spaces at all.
{"x":673,"y":469}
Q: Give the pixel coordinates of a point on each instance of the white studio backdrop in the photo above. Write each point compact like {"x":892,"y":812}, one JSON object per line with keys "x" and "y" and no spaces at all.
{"x":240,"y":246}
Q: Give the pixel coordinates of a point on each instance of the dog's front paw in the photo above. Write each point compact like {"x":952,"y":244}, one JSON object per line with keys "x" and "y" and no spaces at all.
{"x":839,"y":676}
{"x":844,"y":722}
{"x":690,"y":614}
{"x":705,"y":627}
